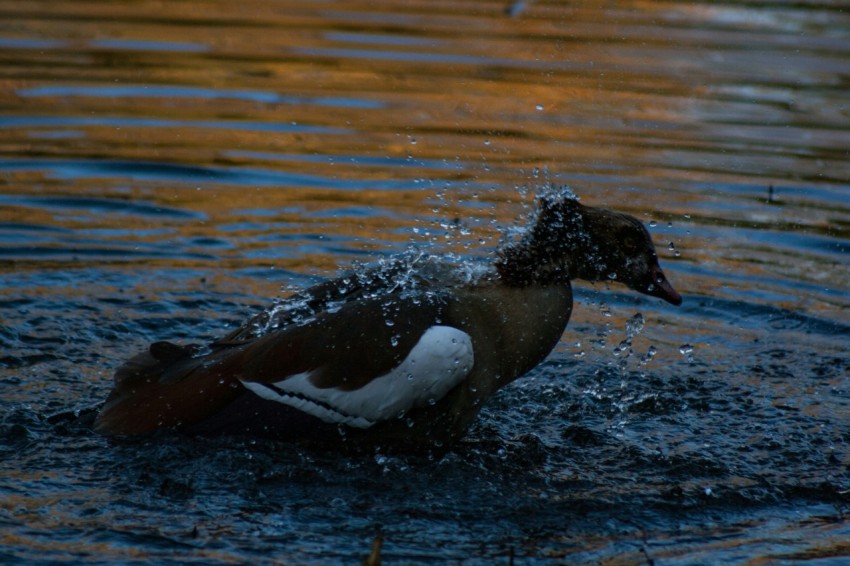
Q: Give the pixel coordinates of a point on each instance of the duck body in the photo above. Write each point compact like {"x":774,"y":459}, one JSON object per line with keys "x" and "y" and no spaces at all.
{"x":403,"y":355}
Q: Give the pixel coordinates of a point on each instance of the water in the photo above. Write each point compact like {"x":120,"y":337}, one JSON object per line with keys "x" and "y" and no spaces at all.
{"x":166,"y":170}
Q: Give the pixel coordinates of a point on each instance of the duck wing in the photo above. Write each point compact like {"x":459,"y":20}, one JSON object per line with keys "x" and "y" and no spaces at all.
{"x":386,"y":278}
{"x":167,"y":386}
{"x":371,"y":361}
{"x":368,"y":361}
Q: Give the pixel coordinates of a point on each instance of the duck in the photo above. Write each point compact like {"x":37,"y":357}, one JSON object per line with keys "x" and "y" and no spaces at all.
{"x":401,"y":355}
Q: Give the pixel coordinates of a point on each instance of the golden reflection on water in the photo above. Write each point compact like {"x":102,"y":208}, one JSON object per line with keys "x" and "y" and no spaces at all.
{"x":575,"y":88}
{"x":649,"y":107}
{"x":425,"y":113}
{"x":176,"y":164}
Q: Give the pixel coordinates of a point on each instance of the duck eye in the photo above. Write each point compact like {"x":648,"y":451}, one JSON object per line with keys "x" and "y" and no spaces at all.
{"x":629,"y":242}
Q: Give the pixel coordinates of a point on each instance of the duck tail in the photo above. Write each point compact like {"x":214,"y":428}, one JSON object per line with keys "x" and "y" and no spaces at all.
{"x":167,"y":386}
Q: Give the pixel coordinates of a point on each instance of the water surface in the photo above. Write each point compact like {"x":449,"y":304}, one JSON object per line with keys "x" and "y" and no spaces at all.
{"x":166,"y":171}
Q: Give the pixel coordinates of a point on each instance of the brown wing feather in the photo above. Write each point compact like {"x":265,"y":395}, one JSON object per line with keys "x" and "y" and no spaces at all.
{"x":346,"y":349}
{"x":317,"y":299}
{"x":170,"y":387}
{"x":151,"y":393}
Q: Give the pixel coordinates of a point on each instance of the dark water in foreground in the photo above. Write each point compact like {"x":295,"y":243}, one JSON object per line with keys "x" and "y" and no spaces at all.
{"x":166,"y":169}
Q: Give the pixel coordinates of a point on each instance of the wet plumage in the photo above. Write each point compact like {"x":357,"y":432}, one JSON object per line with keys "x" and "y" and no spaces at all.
{"x":404,"y":354}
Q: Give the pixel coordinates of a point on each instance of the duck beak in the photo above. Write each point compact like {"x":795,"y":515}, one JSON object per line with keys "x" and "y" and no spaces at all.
{"x":661,"y":288}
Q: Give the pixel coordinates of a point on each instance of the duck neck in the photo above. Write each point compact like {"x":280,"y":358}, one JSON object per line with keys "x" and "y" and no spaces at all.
{"x":522,"y":265}
{"x":558,"y":248}
{"x":551,"y":254}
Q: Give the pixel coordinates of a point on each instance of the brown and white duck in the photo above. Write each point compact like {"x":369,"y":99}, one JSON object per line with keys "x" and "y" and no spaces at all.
{"x":402,"y":355}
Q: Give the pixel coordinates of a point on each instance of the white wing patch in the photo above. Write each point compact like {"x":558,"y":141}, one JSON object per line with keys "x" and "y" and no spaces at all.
{"x":441,"y":359}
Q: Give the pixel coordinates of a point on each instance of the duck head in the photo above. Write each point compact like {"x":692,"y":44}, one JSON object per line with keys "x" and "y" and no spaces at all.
{"x":567,"y":240}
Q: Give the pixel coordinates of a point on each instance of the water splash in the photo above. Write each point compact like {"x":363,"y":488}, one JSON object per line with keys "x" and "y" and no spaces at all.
{"x":687,"y":350}
{"x":650,"y":354}
{"x":634,"y":325}
{"x":672,"y":247}
{"x":623,"y":351}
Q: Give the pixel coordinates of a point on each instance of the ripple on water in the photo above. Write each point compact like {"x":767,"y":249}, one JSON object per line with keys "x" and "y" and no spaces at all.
{"x":170,"y":91}
{"x":166,"y":172}
{"x":175,"y":173}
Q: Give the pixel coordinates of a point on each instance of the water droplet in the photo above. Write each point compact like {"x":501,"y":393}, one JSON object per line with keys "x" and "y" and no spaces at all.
{"x":612,"y":275}
{"x":390,"y":322}
{"x":539,"y":108}
{"x":649,"y":355}
{"x":653,"y":223}
{"x":432,"y":401}
{"x":672,"y":247}
{"x":634,"y":325}
{"x":486,"y":142}
{"x":686,"y":349}
{"x":410,"y":422}
{"x":623,"y":346}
